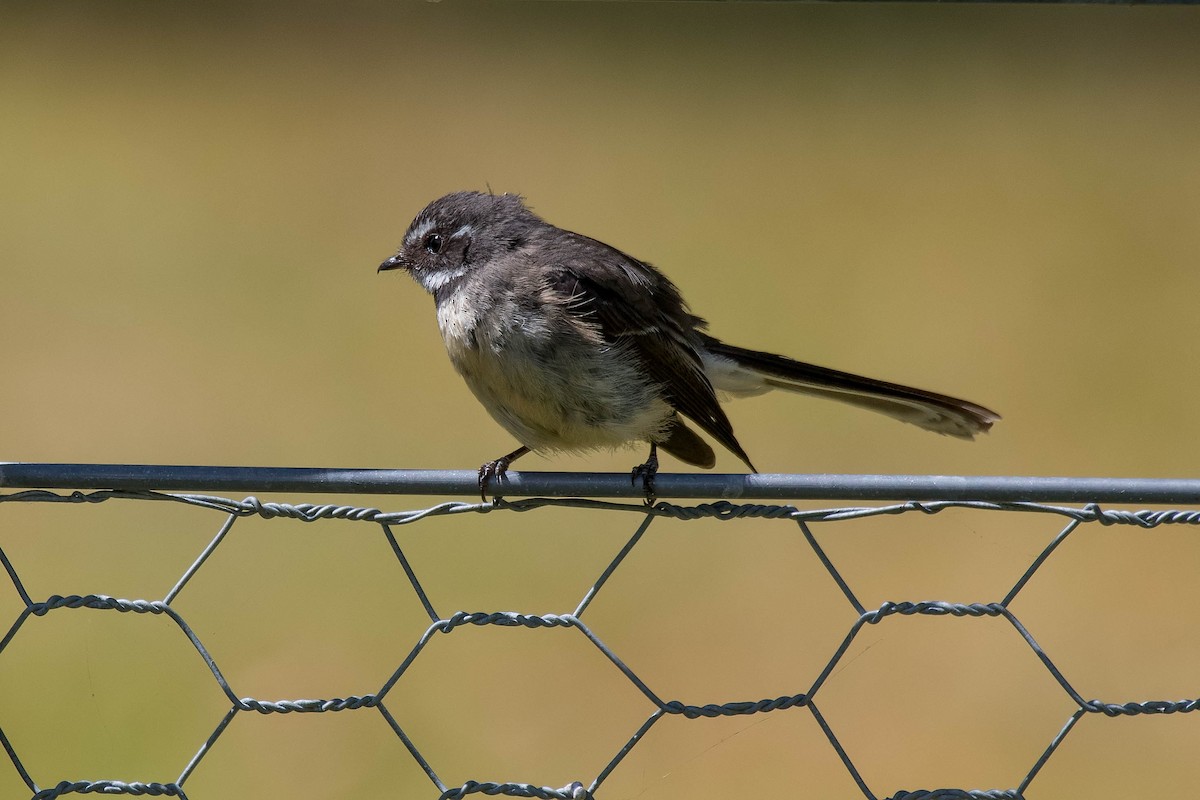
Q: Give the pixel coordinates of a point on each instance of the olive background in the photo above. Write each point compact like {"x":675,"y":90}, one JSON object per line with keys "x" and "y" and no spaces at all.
{"x":995,"y":202}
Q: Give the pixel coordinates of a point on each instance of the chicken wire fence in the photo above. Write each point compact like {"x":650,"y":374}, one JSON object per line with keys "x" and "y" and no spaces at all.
{"x":920,"y":495}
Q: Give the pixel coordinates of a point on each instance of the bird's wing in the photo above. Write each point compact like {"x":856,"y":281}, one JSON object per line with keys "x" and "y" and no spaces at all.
{"x":636,"y":305}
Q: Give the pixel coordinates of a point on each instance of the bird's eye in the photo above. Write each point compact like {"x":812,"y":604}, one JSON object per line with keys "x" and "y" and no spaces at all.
{"x":433,"y":243}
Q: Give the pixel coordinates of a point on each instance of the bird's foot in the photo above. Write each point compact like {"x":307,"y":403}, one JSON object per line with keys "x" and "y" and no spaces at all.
{"x":496,"y":470}
{"x":647,"y":472}
{"x":491,"y":471}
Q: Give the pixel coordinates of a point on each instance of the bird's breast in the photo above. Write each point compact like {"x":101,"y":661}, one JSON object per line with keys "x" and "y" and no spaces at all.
{"x":548,"y":378}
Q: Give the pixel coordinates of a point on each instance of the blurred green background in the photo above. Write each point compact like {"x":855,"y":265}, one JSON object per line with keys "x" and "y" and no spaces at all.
{"x":999,"y":203}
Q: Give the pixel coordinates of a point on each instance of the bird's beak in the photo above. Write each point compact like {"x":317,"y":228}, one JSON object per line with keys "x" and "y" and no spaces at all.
{"x":392,"y":263}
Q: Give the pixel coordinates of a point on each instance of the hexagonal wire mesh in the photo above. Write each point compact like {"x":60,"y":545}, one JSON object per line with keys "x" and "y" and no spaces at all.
{"x":991,"y":495}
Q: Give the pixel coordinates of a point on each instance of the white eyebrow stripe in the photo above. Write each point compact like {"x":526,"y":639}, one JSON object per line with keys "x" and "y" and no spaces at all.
{"x":465,"y":230}
{"x":418,"y":233}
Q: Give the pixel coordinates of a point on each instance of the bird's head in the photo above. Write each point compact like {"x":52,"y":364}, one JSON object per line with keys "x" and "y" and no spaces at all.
{"x":457,"y":233}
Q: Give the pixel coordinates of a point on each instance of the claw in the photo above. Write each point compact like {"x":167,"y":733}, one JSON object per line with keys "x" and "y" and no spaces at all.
{"x":492,"y":470}
{"x":496,"y":470}
{"x":647,"y":472}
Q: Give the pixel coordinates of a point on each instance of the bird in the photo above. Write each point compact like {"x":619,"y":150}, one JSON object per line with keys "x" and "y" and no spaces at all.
{"x":573,"y":345}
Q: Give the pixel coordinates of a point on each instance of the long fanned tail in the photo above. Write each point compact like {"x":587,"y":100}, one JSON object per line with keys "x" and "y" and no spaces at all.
{"x":739,"y":371}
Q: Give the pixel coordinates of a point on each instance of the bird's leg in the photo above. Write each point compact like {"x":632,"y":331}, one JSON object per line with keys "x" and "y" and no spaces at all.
{"x":647,"y":472}
{"x":496,"y":469}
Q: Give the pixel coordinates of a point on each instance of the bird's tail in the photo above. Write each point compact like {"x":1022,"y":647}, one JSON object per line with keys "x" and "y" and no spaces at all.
{"x":743,"y":372}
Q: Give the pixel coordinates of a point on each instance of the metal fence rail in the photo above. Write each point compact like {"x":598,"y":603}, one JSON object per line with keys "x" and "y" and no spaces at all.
{"x":89,"y":484}
{"x":462,"y":483}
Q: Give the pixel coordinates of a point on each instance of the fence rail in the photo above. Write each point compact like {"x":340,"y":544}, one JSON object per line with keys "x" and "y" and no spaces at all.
{"x":463,"y":483}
